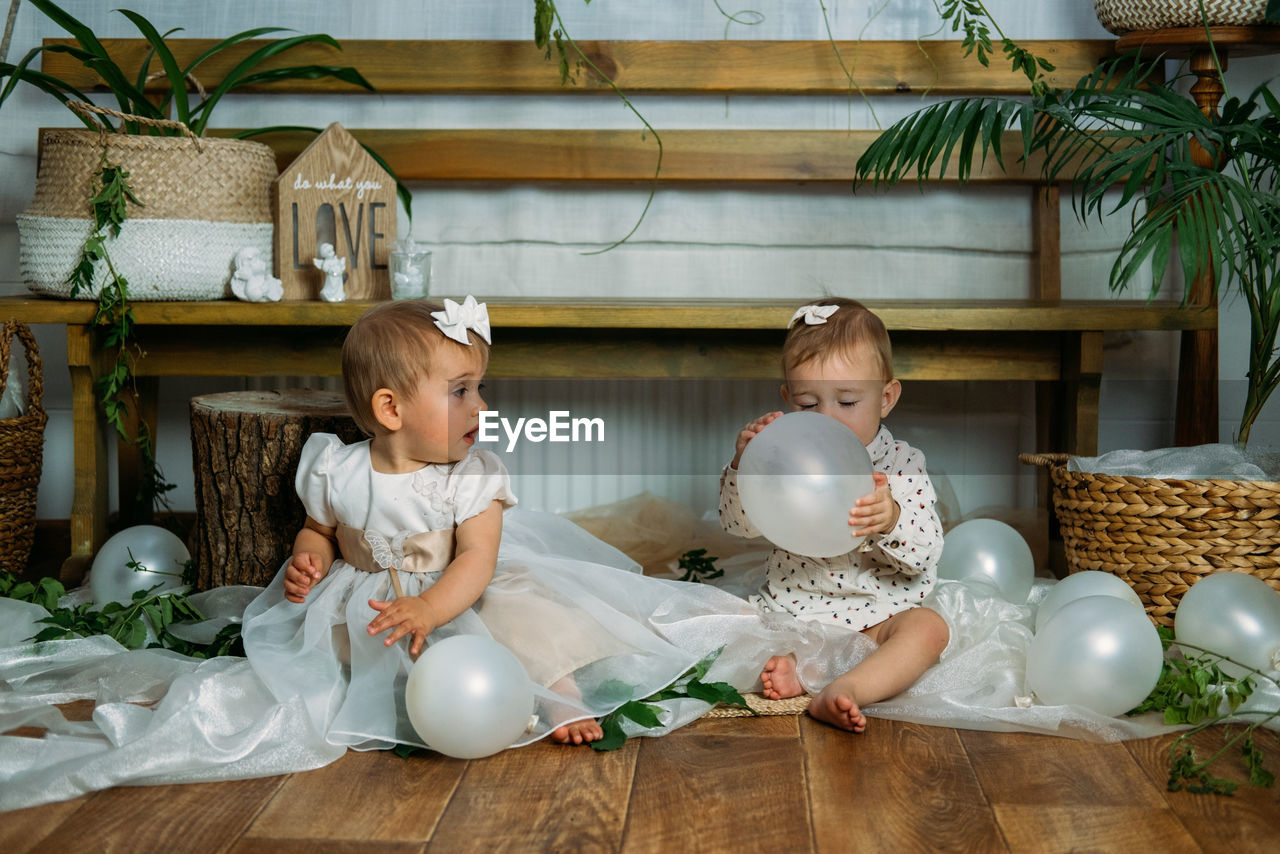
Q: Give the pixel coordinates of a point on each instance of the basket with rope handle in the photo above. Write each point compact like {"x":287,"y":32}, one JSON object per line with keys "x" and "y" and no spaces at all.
{"x":1163,"y":535}
{"x":202,"y":200}
{"x":21,"y":453}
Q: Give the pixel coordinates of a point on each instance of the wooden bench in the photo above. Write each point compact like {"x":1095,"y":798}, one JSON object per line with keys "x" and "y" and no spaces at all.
{"x":1054,"y":342}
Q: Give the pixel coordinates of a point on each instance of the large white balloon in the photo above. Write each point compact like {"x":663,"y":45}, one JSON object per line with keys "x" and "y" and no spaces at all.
{"x":1078,"y":585}
{"x":1235,"y":614}
{"x":799,"y":478}
{"x":991,"y":552}
{"x":161,"y":554}
{"x":1099,"y":652}
{"x":468,"y":696}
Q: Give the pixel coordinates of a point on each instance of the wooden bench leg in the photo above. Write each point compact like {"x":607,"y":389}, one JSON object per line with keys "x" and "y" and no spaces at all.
{"x":89,"y":500}
{"x":1082,"y":384}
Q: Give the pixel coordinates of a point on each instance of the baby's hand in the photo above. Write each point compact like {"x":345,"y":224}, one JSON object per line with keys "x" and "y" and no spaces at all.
{"x":408,"y":615}
{"x":876,"y":513}
{"x":302,"y":573}
{"x":749,"y":432}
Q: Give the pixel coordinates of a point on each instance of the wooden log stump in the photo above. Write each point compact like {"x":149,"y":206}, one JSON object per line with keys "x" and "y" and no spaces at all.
{"x":245,"y":449}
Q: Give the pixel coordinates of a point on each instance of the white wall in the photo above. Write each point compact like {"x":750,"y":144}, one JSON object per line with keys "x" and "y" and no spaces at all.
{"x":744,"y":243}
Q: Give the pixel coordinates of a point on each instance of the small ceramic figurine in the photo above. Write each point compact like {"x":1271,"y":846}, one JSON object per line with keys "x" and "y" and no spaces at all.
{"x":251,"y":282}
{"x":334,"y":269}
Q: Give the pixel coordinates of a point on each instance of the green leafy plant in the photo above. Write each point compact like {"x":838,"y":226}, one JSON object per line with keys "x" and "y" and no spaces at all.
{"x":642,"y":711}
{"x":137,"y":113}
{"x":126,"y":623}
{"x":1193,"y":690}
{"x":698,"y":567}
{"x":1207,"y":186}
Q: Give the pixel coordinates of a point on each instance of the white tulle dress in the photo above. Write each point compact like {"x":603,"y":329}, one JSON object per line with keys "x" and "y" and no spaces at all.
{"x":572,"y":609}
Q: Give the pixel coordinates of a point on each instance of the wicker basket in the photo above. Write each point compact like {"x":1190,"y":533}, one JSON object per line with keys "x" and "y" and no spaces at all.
{"x":202,"y":201}
{"x":1124,"y":16}
{"x":1161,"y":536}
{"x":21,"y":451}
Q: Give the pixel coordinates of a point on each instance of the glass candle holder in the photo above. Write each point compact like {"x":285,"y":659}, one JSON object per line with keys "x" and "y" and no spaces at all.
{"x":410,"y":266}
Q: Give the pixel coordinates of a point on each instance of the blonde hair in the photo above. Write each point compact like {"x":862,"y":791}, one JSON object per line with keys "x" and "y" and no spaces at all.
{"x":851,"y":326}
{"x":391,"y":346}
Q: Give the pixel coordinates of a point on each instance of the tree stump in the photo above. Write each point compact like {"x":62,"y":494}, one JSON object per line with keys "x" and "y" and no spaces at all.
{"x":245,"y":448}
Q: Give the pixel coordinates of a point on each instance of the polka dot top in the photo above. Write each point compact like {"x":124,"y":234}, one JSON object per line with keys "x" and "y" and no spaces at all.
{"x":861,"y":588}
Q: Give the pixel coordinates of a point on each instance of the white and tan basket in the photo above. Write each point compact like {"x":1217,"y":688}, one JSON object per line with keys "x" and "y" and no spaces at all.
{"x":201,"y":202}
{"x":1124,"y":16}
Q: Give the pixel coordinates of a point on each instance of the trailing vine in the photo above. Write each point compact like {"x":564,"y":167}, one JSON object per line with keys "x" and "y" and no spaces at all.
{"x":114,"y":315}
{"x":970,"y":16}
{"x":1194,"y":690}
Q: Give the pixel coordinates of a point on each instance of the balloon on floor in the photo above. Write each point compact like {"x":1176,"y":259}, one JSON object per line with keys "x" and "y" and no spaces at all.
{"x":1099,"y":652}
{"x":137,"y":558}
{"x":1078,"y":585}
{"x":990,"y":552}
{"x":468,"y":696}
{"x":1233,"y":614}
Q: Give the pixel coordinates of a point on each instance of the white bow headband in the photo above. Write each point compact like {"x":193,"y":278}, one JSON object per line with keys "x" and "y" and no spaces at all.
{"x":457,"y":319}
{"x":812,"y":315}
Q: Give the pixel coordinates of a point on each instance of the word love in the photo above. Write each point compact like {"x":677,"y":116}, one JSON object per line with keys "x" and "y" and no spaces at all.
{"x":332,"y":183}
{"x":557,"y":427}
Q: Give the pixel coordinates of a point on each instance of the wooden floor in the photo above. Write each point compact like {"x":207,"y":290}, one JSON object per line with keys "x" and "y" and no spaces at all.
{"x":779,"y":783}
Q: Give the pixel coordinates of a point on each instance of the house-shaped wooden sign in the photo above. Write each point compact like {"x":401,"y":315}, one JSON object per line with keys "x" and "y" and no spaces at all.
{"x":334,"y":193}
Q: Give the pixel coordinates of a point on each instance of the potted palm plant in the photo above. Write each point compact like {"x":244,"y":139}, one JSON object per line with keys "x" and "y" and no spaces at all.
{"x":115,"y":203}
{"x":1208,"y":184}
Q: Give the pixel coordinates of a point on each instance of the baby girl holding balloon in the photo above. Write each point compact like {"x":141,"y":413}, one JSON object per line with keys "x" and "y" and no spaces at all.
{"x":837,"y":361}
{"x":406,"y":542}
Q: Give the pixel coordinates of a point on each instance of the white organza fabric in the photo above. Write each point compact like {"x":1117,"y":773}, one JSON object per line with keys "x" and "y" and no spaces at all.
{"x":233,"y":718}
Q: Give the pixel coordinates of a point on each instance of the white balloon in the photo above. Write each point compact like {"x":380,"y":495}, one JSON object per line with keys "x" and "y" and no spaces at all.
{"x":1234,"y":614}
{"x":990,"y":552}
{"x":1099,"y":652}
{"x":468,"y":696}
{"x":1078,"y":585}
{"x":162,"y":556}
{"x":798,"y":479}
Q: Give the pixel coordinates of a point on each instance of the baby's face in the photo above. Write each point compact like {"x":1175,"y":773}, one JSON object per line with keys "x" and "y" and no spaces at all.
{"x":441,"y":420}
{"x":848,"y":387}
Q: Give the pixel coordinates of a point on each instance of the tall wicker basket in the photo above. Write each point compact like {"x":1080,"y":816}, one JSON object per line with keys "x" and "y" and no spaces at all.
{"x":21,"y":451}
{"x":1161,"y":536}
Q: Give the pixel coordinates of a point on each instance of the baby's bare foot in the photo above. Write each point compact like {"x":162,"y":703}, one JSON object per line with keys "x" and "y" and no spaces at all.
{"x":835,"y":705}
{"x":779,"y":678}
{"x":578,"y":732}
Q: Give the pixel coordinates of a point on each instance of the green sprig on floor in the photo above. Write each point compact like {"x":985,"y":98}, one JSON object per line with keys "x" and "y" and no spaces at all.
{"x":1193,"y":689}
{"x":126,"y":623}
{"x":698,"y":567}
{"x":643,"y":713}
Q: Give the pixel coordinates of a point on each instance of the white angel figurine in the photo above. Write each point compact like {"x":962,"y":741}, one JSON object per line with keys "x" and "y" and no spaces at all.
{"x":334,"y":269}
{"x":251,"y":282}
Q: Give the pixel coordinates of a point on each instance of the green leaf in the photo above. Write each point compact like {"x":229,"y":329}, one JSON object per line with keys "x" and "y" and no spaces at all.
{"x":641,"y":713}
{"x":613,"y":737}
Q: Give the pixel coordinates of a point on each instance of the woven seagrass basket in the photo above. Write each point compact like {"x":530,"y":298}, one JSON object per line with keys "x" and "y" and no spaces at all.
{"x":1124,"y":16}
{"x":1162,"y":536}
{"x":21,"y":452}
{"x":202,"y":200}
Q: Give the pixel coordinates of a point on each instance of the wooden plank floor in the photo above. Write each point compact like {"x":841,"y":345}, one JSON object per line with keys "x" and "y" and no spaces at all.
{"x":779,"y":783}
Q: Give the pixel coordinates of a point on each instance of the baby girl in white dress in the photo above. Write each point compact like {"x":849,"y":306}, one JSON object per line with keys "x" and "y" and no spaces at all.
{"x":401,"y":548}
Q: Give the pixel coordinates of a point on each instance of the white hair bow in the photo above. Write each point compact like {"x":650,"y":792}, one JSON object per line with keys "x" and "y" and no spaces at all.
{"x":456,"y":319}
{"x":812,"y":315}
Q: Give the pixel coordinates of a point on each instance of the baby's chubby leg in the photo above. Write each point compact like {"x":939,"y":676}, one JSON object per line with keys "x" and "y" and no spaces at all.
{"x":910,"y":643}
